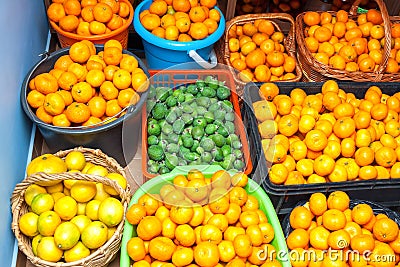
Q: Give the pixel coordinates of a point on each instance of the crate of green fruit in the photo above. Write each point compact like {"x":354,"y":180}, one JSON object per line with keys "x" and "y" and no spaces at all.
{"x":193,"y":118}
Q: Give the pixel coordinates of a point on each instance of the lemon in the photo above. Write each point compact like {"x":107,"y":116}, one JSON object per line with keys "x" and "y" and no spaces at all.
{"x":81,"y":208}
{"x":69,"y":183}
{"x":55,"y":188}
{"x":77,"y":252}
{"x":57,"y":195}
{"x":66,"y":192}
{"x":48,"y":222}
{"x":32,"y":191}
{"x":28,"y":224}
{"x":111,"y":232}
{"x":66,"y":207}
{"x":101,"y":194}
{"x":111,"y":211}
{"x":35,"y":242}
{"x":88,"y":165}
{"x":92,"y":209}
{"x":47,"y":163}
{"x":66,"y":235}
{"x":81,"y":221}
{"x":75,"y":160}
{"x":41,"y":203}
{"x":83,"y":191}
{"x":47,"y":250}
{"x":119,"y":179}
{"x":94,"y":235}
{"x":97,"y":170}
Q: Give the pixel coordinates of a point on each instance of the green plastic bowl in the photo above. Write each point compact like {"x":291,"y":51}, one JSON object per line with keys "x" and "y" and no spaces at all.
{"x":154,"y":185}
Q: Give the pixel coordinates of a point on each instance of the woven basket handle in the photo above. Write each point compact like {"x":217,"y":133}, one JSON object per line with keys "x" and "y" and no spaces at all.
{"x":388,"y":37}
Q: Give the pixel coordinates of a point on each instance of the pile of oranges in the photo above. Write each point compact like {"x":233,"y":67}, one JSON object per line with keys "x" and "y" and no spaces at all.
{"x":86,"y":88}
{"x":89,"y":17}
{"x":181,"y":20}
{"x":327,"y":232}
{"x":331,"y":136}
{"x":257,"y":51}
{"x":350,"y":44}
{"x":197,"y":221}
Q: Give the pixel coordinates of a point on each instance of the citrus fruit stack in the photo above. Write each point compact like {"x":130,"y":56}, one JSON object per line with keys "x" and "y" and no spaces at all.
{"x":327,"y":232}
{"x":86,"y":88}
{"x":257,"y":52}
{"x":329,"y":137}
{"x":350,"y":44}
{"x":70,"y":219}
{"x":181,"y":20}
{"x":196,"y":221}
{"x":89,"y":17}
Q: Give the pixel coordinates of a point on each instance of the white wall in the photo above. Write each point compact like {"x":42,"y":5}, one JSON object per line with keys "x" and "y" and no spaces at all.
{"x":23,"y":33}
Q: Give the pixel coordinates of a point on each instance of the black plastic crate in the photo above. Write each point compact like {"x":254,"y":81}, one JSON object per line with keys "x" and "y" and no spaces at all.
{"x":285,"y":197}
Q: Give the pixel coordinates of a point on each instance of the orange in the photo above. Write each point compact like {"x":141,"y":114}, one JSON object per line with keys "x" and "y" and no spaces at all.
{"x":323,"y":165}
{"x":95,"y":77}
{"x":385,"y":156}
{"x":181,"y":5}
{"x":115,"y":22}
{"x":206,"y":254}
{"x":362,"y":214}
{"x":123,"y":9}
{"x":43,"y":115}
{"x":159,"y":32}
{"x":148,"y":228}
{"x":112,"y":55}
{"x":255,"y":58}
{"x":298,"y":238}
{"x":333,"y":219}
{"x":300,"y":217}
{"x":150,"y":21}
{"x":159,"y":8}
{"x":108,"y":90}
{"x":87,"y":13}
{"x":362,"y":243}
{"x":275,"y":59}
{"x":63,"y":62}
{"x":97,"y":106}
{"x":338,"y":200}
{"x":112,"y":108}
{"x":102,"y":12}
{"x":46,"y":83}
{"x":342,"y":16}
{"x":72,"y":7}
{"x":316,"y":140}
{"x":344,"y":127}
{"x":208,"y":3}
{"x":53,"y":104}
{"x":385,"y":230}
{"x":374,"y":16}
{"x":322,"y":34}
{"x":211,"y":24}
{"x":35,"y":99}
{"x":197,"y":14}
{"x":311,"y":18}
{"x":339,"y":239}
{"x":161,"y":248}
{"x":82,"y":92}
{"x":127,"y":97}
{"x":171,"y":33}
{"x":61,"y":120}
{"x":69,"y":23}
{"x":77,"y":112}
{"x":136,"y":249}
{"x":198,"y":30}
{"x":140,"y":82}
{"x":135,"y":213}
{"x":364,"y":156}
{"x":319,"y":237}
{"x":55,"y":12}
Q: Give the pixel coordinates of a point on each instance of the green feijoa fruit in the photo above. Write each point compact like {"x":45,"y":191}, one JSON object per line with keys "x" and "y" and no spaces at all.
{"x":217,"y":154}
{"x":167,"y":129}
{"x":178,"y":126}
{"x":209,"y":116}
{"x":238,"y":164}
{"x":237,"y":153}
{"x":197,"y":132}
{"x":178,"y":111}
{"x":190,"y":156}
{"x":226,"y":164}
{"x":181,"y":98}
{"x":171,"y":161}
{"x":200,"y":83}
{"x":223,"y":131}
{"x":201,"y":111}
{"x":219,"y":115}
{"x":150,"y":105}
{"x":236,"y":144}
{"x":219,"y":123}
{"x":153,"y":129}
{"x":218,"y":139}
{"x":230,"y":116}
{"x":173,"y":138}
{"x":200,"y":121}
{"x":230,"y":127}
{"x":163,"y":170}
{"x":171,"y":101}
{"x":173,"y":148}
{"x":214,"y":106}
{"x":152,"y":140}
{"x":162,"y":123}
{"x":192,"y":89}
{"x":213,"y":84}
{"x":206,"y":157}
{"x":159,"y":111}
{"x":210,"y":129}
{"x":207,"y":144}
{"x":153,"y":168}
{"x":187,"y":141}
{"x":232,"y":137}
{"x":197,"y":161}
{"x":162,"y":93}
{"x":209,"y":92}
{"x":182,"y":162}
{"x":171,"y":117}
{"x":189,"y":98}
{"x":155,"y":152}
{"x":150,"y":162}
{"x":227,"y":105}
{"x":203,"y":101}
{"x":200,"y":150}
{"x":152,"y":92}
{"x":163,"y":143}
{"x":226,"y":150}
{"x":183,"y":150}
{"x":151,"y":121}
{"x":177,"y":92}
{"x":223,"y":92}
{"x":186,"y":108}
{"x":195,"y":145}
{"x":188,"y":130}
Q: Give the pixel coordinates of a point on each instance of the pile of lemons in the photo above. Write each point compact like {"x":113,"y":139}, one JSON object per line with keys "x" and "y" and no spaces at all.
{"x":69,"y":219}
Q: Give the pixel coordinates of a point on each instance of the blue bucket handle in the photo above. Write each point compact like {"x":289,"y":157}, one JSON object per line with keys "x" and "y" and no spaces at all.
{"x":203,"y":63}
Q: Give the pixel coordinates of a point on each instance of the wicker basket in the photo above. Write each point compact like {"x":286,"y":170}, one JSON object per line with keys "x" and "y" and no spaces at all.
{"x":103,"y":255}
{"x":280,"y":21}
{"x":121,"y":34}
{"x":315,"y":71}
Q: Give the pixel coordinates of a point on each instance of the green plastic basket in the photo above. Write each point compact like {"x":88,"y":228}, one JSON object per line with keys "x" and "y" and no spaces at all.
{"x":154,"y":185}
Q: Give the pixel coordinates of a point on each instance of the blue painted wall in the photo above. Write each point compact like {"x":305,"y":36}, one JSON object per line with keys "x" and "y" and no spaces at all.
{"x":23,"y":31}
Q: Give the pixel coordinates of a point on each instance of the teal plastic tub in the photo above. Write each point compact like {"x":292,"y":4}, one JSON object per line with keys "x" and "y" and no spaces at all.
{"x":154,"y":185}
{"x":162,"y":54}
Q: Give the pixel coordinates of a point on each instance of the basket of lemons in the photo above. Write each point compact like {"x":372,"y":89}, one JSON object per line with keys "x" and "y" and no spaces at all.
{"x":70,"y":209}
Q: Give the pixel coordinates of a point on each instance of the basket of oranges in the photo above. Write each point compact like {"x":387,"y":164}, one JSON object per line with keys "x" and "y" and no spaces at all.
{"x":257,"y":50}
{"x":346,"y":45}
{"x":70,"y":209}
{"x":97,"y":21}
{"x":87,"y":95}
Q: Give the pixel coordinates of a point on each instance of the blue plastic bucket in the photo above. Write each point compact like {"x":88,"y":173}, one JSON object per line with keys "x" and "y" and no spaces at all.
{"x":161,"y":53}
